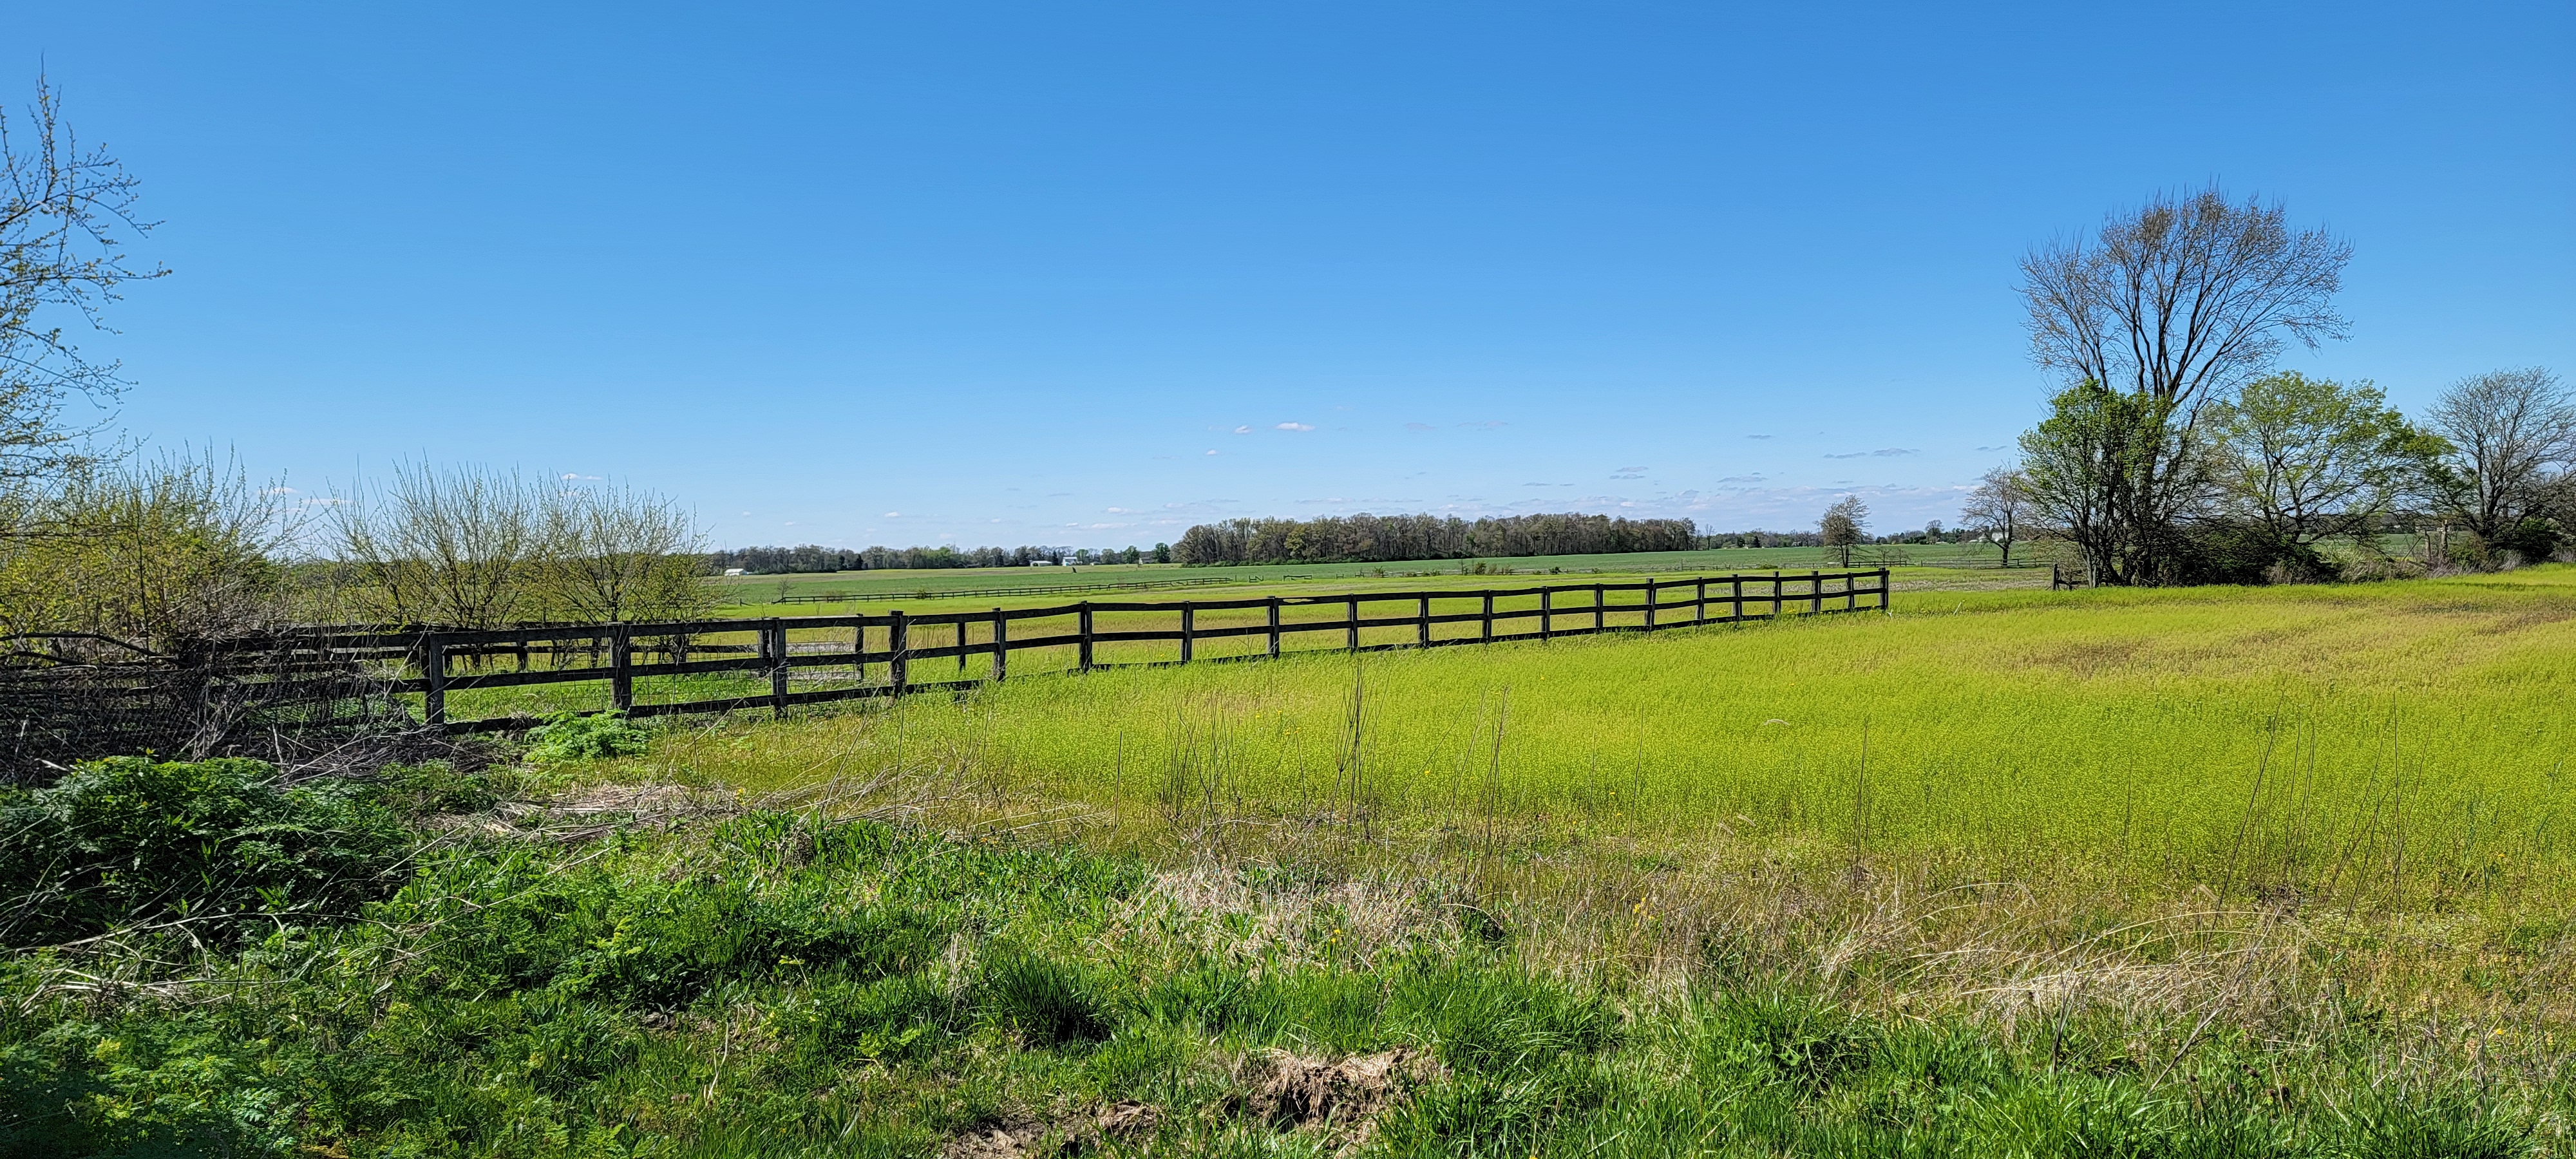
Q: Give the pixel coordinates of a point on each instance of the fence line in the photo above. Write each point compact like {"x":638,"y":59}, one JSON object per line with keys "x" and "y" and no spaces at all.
{"x":623,"y":653}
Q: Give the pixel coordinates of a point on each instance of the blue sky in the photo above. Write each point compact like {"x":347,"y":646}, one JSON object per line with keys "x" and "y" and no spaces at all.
{"x":1088,"y":273}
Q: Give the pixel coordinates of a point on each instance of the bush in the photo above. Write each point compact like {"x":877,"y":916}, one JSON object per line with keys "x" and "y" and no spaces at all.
{"x":2535,"y":540}
{"x":218,"y":842}
{"x":573,"y":736}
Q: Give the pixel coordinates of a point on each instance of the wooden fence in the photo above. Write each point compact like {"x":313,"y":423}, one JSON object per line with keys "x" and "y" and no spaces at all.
{"x":440,"y":664}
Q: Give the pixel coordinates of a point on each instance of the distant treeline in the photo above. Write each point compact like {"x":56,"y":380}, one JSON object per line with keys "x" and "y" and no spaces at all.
{"x":812,"y":558}
{"x":1388,"y":538}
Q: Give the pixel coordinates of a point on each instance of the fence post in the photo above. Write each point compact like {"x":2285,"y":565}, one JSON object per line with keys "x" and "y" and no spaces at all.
{"x":859,"y":651}
{"x":1851,"y":599}
{"x":1001,"y":645}
{"x":1699,"y":602}
{"x":1882,"y":589}
{"x":1815,"y":593}
{"x":1653,"y":596}
{"x":433,"y":670}
{"x":1775,"y":594}
{"x":1189,"y":623}
{"x":1422,"y":625}
{"x":1274,"y":627}
{"x":898,"y":639}
{"x":961,"y":644}
{"x":1599,"y":615}
{"x":1546,"y":612}
{"x":1082,"y":645}
{"x":777,"y":669}
{"x":621,"y":669}
{"x":1735,"y":605}
{"x":1489,"y":618}
{"x":1354,"y":631}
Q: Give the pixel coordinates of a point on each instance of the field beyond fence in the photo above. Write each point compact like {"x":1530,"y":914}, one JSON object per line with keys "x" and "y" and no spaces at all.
{"x":653,"y":669}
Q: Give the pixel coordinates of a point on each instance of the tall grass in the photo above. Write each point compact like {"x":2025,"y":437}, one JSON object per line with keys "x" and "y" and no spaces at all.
{"x":2398,"y":744}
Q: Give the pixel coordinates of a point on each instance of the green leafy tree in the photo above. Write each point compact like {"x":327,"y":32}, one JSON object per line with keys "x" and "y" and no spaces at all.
{"x":2113,"y":474}
{"x":2302,"y":460}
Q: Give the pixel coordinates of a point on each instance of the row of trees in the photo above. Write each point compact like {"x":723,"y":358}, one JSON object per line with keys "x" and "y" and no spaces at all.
{"x":815,"y":558}
{"x":2174,"y":454}
{"x":1388,"y":538}
{"x":481,"y":549}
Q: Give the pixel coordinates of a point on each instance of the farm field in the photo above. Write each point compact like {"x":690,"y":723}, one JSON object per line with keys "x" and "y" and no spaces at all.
{"x":2266,"y":872}
{"x":2401,"y":743}
{"x":760,"y":595}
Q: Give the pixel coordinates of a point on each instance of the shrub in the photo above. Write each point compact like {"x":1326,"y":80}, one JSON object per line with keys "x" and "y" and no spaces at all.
{"x":219,"y":843}
{"x":573,"y":736}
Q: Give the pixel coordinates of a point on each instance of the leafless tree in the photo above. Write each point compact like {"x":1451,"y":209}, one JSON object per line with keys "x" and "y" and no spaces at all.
{"x":623,"y":553}
{"x":459,"y":548}
{"x":2513,"y":440}
{"x":67,"y":212}
{"x":1842,"y":525}
{"x":2174,"y":306}
{"x":1999,"y":505}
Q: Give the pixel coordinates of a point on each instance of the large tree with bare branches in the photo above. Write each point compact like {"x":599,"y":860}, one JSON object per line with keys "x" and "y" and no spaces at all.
{"x":2169,"y":307}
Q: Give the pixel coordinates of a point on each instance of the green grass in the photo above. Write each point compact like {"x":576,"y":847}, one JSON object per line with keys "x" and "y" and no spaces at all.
{"x":955,"y":589}
{"x":2402,"y":743}
{"x":784,"y":985}
{"x":2239,"y":872}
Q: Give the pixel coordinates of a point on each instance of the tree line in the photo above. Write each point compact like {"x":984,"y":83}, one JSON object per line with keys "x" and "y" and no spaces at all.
{"x":1388,"y":538}
{"x":815,"y":558}
{"x":2175,"y":452}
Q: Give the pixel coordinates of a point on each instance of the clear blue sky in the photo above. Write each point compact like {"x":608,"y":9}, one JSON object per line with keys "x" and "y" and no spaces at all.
{"x":1085,"y":274}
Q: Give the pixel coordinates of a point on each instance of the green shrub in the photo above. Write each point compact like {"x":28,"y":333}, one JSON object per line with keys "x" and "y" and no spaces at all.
{"x":574,"y":736}
{"x":219,"y":844}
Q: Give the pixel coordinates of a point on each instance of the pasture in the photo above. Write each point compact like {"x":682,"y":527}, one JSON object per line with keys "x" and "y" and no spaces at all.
{"x":759,"y":595}
{"x":2399,"y":743}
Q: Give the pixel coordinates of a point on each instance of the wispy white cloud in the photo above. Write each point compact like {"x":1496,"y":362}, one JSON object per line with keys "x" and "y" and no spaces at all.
{"x":1244,"y":429}
{"x":1757,"y":436}
{"x":575,"y":477}
{"x":1420,"y":427}
{"x":1295,"y":427}
{"x":887,"y":515}
{"x":1881,"y":453}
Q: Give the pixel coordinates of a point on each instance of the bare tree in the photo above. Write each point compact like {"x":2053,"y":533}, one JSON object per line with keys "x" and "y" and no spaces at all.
{"x":459,"y":548}
{"x":1999,"y":505}
{"x":2174,"y":306}
{"x":66,"y":214}
{"x":620,"y":553}
{"x":2513,"y":438}
{"x":1842,"y":525}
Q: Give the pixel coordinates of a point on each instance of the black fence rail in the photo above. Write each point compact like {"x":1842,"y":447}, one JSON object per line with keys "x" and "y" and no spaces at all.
{"x":849,"y":652}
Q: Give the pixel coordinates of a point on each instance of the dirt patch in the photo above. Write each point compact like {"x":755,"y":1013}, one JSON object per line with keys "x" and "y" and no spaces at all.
{"x":1073,"y":1135}
{"x":1286,"y":1090}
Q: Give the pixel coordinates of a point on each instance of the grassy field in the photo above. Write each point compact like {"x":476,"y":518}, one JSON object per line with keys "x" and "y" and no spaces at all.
{"x":759,"y":595}
{"x":2403,"y":739}
{"x":2209,"y":872}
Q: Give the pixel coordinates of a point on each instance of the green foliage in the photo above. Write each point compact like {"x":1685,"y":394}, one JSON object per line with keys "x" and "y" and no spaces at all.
{"x":576,"y":736}
{"x":769,"y":985}
{"x":2535,"y":540}
{"x":217,"y":846}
